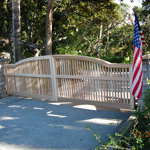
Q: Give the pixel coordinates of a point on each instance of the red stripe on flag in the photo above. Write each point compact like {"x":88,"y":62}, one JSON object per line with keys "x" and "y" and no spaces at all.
{"x":137,"y":85}
{"x":135,"y":57}
{"x":137,"y":77}
{"x":140,"y":92}
{"x":142,"y":37}
{"x":137,"y":72}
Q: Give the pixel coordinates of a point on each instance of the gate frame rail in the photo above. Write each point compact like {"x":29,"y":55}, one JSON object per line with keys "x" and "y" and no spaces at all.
{"x":53,"y":76}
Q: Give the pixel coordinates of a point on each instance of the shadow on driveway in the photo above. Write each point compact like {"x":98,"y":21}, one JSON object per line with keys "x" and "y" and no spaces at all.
{"x":32,"y":124}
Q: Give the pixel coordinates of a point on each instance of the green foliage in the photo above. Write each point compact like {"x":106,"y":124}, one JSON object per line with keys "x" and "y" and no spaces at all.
{"x":72,"y":20}
{"x":147,"y":101}
{"x":84,"y":18}
{"x":114,"y":59}
{"x":66,"y":50}
{"x":146,"y":6}
{"x":27,"y":54}
{"x":148,"y":81}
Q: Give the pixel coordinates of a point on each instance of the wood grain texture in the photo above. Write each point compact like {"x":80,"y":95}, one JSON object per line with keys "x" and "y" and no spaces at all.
{"x":75,"y":77}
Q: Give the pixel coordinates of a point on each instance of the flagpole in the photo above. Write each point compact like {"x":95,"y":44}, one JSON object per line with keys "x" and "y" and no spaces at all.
{"x":146,"y":54}
{"x":139,"y":41}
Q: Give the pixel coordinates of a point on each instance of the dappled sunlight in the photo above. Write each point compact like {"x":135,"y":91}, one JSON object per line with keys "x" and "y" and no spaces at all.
{"x":2,"y":127}
{"x":86,"y":106}
{"x":8,"y":118}
{"x":101,"y":121}
{"x":54,"y":115}
{"x":34,"y":125}
{"x":28,"y":98}
{"x":20,"y":97}
{"x":60,"y":103}
{"x":54,"y":103}
{"x":38,"y":108}
{"x":67,"y":127}
{"x":16,"y":106}
{"x":6,"y":146}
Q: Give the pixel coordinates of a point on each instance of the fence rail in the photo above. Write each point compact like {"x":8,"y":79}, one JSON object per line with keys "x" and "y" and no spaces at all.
{"x":63,"y":77}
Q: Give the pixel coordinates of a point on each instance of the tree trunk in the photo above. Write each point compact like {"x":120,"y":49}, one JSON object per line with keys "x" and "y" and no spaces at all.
{"x":16,"y":29}
{"x":10,"y":46}
{"x":49,"y":19}
{"x":100,"y":36}
{"x":108,"y":32}
{"x":9,"y":32}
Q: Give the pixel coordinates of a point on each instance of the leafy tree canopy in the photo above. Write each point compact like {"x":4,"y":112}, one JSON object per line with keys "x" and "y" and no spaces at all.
{"x":80,"y":27}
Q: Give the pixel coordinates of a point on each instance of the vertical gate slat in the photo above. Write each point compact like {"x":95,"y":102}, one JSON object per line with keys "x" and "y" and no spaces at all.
{"x":89,"y":88}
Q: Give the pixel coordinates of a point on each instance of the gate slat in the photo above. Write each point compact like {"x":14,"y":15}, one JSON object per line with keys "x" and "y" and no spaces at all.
{"x":76,"y":77}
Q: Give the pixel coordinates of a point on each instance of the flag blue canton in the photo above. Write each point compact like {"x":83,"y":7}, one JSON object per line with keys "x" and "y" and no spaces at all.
{"x":136,"y":34}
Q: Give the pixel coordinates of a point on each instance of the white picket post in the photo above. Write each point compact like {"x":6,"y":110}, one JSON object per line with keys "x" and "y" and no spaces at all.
{"x":131,"y":96}
{"x":53,"y":78}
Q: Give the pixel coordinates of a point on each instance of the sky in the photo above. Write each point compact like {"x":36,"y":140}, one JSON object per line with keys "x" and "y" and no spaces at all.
{"x":135,"y":3}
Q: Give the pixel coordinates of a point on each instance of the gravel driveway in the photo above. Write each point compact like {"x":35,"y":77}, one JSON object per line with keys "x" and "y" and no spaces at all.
{"x":33,"y":124}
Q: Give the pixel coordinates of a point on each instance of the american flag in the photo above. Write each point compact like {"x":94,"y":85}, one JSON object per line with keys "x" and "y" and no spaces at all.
{"x":137,"y":77}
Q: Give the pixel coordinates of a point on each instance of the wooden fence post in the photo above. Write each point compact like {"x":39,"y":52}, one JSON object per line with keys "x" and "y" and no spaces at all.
{"x":131,"y":96}
{"x":53,"y":78}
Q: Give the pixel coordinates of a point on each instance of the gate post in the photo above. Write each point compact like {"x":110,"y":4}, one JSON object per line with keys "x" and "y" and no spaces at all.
{"x":3,"y":92}
{"x":146,"y":74}
{"x":53,"y":78}
{"x":132,"y":103}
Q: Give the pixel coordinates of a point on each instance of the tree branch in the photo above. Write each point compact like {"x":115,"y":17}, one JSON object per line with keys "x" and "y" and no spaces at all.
{"x":103,"y":35}
{"x":41,"y":45}
{"x":93,"y":46}
{"x":115,"y":41}
{"x":33,"y":46}
{"x":113,"y":26}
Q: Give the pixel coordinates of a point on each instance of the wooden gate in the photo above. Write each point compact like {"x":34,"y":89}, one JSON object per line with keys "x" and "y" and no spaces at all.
{"x":32,"y":77}
{"x":72,"y":78}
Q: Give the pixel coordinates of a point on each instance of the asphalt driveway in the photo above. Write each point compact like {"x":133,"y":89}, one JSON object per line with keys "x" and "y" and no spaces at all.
{"x":33,"y":124}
